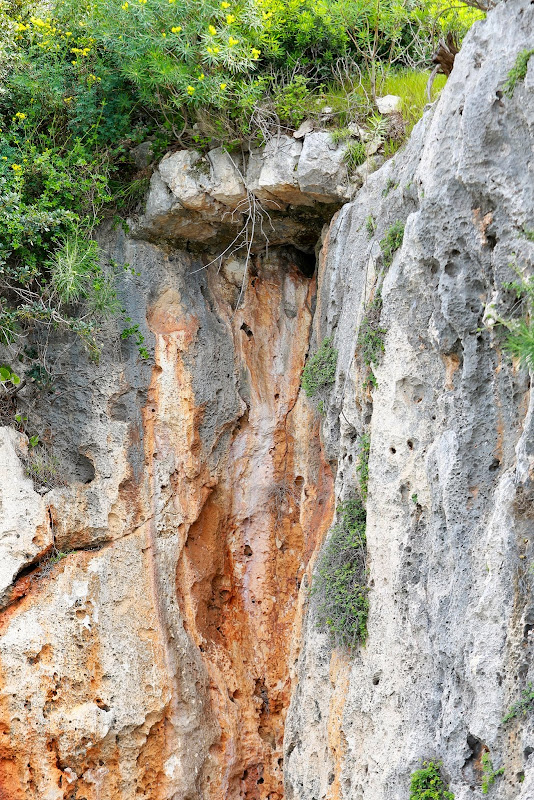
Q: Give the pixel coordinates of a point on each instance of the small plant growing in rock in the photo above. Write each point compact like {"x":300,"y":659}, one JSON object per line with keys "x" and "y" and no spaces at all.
{"x":518,"y":72}
{"x":371,"y":338}
{"x":340,"y":580}
{"x":370,"y":226}
{"x":354,"y":155}
{"x":391,"y":242}
{"x":488,"y":773}
{"x":340,"y":135}
{"x":43,"y":467}
{"x":388,"y":187}
{"x":320,"y":370}
{"x":523,"y":706}
{"x":362,"y":466}
{"x":427,"y":783}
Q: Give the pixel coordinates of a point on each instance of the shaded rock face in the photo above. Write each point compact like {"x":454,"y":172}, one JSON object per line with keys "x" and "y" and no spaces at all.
{"x":157,"y":636}
{"x":152,"y":660}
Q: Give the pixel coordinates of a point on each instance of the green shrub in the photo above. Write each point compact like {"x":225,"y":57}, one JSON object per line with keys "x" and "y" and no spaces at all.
{"x":518,"y":72}
{"x":523,"y":706}
{"x":320,"y":370}
{"x":362,"y":465}
{"x":428,"y":784}
{"x":340,"y":579}
{"x":391,"y":242}
{"x":488,"y":773}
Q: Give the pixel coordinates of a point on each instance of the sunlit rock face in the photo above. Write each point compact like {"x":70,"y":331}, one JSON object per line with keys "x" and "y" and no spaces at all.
{"x":449,"y":510}
{"x":158,"y":640}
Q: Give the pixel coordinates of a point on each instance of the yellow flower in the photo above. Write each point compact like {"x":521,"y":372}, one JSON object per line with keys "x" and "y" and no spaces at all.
{"x":143,"y":2}
{"x":210,"y":49}
{"x":201,"y":76}
{"x":20,"y":115}
{"x":164,"y":34}
{"x":223,"y":86}
{"x":225,"y":5}
{"x":67,"y":99}
{"x":16,"y":168}
{"x":124,"y":6}
{"x":68,"y":33}
{"x":190,"y":90}
{"x":230,"y":18}
{"x":176,"y":29}
{"x":232,"y":41}
{"x":216,"y":49}
{"x":255,"y":53}
{"x":212,"y":30}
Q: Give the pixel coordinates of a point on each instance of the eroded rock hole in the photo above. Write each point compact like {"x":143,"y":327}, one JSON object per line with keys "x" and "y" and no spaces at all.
{"x":247,"y":330}
{"x":84,"y":469}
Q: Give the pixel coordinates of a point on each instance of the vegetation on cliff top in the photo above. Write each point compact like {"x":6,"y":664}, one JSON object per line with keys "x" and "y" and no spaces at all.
{"x":81,"y":84}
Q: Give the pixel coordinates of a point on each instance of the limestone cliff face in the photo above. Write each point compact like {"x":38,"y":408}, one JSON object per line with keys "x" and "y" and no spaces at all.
{"x":449,"y":512}
{"x":173,"y":652}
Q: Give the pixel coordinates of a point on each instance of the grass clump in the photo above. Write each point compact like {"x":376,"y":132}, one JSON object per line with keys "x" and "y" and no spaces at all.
{"x":410,"y":86}
{"x":427,"y":783}
{"x":340,"y":579}
{"x":354,"y":155}
{"x":523,"y":706}
{"x":488,"y":773}
{"x":370,"y":226}
{"x":518,"y":72}
{"x":43,"y":468}
{"x":519,"y":341}
{"x":320,"y":370}
{"x":391,"y":242}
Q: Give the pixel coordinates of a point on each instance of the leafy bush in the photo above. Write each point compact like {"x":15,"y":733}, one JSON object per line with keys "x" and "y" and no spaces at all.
{"x":320,"y":370}
{"x":428,"y":784}
{"x":523,"y":706}
{"x":340,"y":579}
{"x":391,"y":242}
{"x":518,"y":72}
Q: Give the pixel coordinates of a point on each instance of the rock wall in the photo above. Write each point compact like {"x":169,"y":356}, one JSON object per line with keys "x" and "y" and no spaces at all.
{"x":449,"y":512}
{"x":157,"y":636}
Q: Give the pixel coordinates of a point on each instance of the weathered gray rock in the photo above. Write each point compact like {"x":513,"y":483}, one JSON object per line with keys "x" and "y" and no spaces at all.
{"x":226,"y":183}
{"x":321,"y":170}
{"x":389,"y":103}
{"x":24,"y":524}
